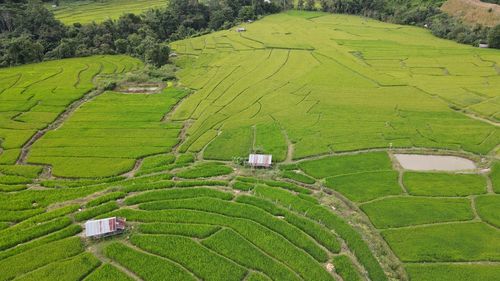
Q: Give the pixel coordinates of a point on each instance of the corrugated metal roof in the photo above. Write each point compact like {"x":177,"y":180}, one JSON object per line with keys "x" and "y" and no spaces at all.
{"x":103,"y":226}
{"x":260,"y":160}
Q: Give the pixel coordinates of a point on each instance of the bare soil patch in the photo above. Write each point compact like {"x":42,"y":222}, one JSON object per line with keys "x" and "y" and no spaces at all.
{"x":140,"y":88}
{"x":473,"y":11}
{"x":417,"y":162}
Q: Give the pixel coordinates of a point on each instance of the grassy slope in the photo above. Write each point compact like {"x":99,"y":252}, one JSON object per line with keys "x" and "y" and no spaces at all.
{"x":70,"y":12}
{"x":334,"y":83}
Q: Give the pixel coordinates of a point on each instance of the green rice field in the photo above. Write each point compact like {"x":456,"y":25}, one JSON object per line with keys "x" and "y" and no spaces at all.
{"x":70,"y":12}
{"x":332,"y":97}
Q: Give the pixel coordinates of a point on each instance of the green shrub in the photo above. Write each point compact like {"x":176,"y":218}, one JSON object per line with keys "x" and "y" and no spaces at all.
{"x":494,"y":37}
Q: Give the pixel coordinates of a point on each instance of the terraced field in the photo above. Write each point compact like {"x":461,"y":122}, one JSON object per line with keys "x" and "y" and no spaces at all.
{"x":332,"y":97}
{"x":70,"y":12}
{"x":332,"y":84}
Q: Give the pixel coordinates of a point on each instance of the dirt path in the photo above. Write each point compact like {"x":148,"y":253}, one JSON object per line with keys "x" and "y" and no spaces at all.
{"x":361,"y":223}
{"x":56,"y":124}
{"x":489,"y":184}
{"x":473,"y":207}
{"x":134,"y":170}
{"x":290,"y":145}
{"x":474,"y":116}
{"x":290,"y":150}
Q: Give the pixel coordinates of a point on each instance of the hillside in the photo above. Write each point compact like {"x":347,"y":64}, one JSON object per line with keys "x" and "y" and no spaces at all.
{"x":385,"y":144}
{"x":473,"y":11}
{"x":83,"y":12}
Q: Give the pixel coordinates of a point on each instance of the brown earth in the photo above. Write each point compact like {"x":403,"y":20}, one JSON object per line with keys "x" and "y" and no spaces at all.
{"x":473,"y":11}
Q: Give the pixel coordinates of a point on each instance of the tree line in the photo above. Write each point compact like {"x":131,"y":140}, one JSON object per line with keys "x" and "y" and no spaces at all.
{"x":30,"y":33}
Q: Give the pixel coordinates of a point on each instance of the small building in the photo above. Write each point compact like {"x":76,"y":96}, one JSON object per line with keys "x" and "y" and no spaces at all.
{"x":260,"y":160}
{"x":483,"y":45}
{"x":173,"y":55}
{"x":241,"y":29}
{"x":104,"y":227}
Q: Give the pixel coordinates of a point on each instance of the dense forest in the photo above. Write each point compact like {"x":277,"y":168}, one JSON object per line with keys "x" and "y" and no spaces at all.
{"x":31,"y":33}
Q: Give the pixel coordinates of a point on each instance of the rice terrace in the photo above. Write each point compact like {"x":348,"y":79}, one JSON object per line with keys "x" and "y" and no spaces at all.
{"x":383,"y":140}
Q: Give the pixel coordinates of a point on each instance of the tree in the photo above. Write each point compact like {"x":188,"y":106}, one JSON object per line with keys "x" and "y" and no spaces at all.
{"x":247,"y":13}
{"x":300,"y":4}
{"x":121,"y":46}
{"x":310,"y":5}
{"x":157,"y":54}
{"x":494,"y":37}
{"x":23,"y":50}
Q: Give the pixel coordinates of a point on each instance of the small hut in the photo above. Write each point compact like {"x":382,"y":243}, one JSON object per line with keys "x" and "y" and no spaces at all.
{"x":241,"y":29}
{"x":105,"y":227}
{"x":260,"y":160}
{"x":483,"y":45}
